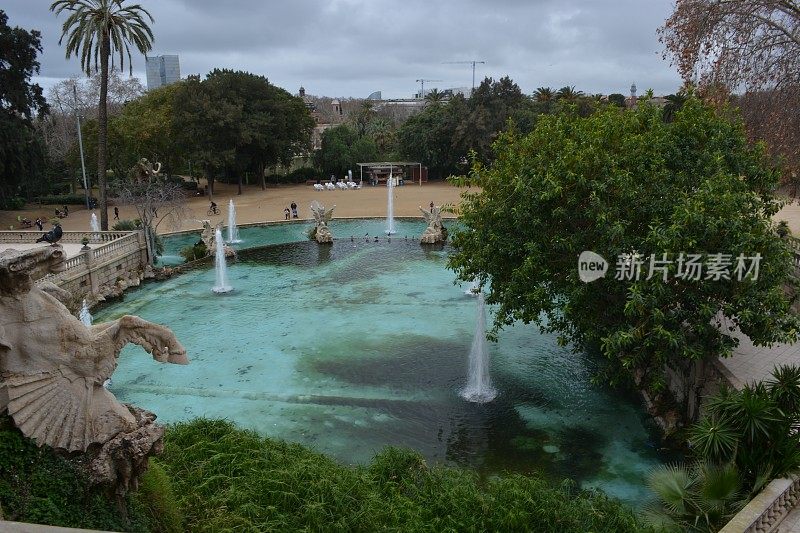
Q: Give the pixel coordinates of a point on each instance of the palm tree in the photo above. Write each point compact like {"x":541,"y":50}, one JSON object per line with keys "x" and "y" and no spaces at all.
{"x":569,"y":94}
{"x":674,"y":104}
{"x":103,"y":29}
{"x":701,"y":497}
{"x":434,"y":96}
{"x":543,"y":94}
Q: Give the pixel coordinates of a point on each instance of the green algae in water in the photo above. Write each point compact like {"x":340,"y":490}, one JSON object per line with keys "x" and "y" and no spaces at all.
{"x":366,"y":346}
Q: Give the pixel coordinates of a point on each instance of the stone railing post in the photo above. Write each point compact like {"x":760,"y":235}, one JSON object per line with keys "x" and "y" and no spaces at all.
{"x":141,"y":239}
{"x":94,"y":283}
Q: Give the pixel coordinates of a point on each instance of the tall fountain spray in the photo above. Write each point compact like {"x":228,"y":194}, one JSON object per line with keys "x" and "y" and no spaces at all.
{"x":95,"y":227}
{"x":390,"y":206}
{"x":479,"y":385}
{"x":85,"y":316}
{"x":474,"y":288}
{"x":233,"y":231}
{"x":221,"y":268}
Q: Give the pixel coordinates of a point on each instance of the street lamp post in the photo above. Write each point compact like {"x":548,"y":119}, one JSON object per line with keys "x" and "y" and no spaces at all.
{"x":80,"y":146}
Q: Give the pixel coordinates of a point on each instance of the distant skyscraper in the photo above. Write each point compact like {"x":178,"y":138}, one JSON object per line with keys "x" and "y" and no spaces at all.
{"x":162,"y":70}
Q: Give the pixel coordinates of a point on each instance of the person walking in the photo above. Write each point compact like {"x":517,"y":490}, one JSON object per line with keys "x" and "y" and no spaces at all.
{"x":286,"y":214}
{"x":39,"y":224}
{"x":116,"y":213}
{"x":294,"y":210}
{"x":431,"y":207}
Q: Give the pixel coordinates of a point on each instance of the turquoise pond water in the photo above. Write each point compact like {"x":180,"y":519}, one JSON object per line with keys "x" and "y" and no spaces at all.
{"x":253,"y":236}
{"x":355,"y":346}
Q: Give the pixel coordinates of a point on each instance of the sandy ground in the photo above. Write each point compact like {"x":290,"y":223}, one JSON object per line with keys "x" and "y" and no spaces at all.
{"x":255,"y":205}
{"x":791,"y":214}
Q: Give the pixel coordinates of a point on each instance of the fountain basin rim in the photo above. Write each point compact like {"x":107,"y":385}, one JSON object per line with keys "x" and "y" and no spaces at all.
{"x":268,"y":223}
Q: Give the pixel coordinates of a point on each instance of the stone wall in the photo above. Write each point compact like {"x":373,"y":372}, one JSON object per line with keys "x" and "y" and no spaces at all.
{"x":113,"y":261}
{"x":766,"y":511}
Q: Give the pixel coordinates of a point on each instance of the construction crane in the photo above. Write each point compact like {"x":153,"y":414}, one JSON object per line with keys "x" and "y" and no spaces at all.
{"x":473,"y":63}
{"x":422,"y":87}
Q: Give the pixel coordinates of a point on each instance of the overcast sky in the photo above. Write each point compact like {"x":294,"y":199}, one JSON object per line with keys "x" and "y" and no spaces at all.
{"x":354,"y":47}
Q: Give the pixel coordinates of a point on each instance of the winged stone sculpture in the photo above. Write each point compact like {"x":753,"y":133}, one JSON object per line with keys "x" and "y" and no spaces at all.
{"x":322,"y":217}
{"x":52,"y":370}
{"x":435,"y":232}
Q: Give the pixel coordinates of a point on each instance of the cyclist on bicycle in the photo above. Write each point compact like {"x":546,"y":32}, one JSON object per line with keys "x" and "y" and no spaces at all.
{"x":213,"y":207}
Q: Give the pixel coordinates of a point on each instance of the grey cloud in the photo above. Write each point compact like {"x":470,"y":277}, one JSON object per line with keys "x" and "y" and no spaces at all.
{"x":352,"y":47}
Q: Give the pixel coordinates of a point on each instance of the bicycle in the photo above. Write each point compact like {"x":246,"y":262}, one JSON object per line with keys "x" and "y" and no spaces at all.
{"x":212,"y":211}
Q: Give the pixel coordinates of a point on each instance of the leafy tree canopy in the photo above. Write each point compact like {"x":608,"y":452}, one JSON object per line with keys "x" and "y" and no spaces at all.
{"x":18,"y":51}
{"x":342,"y":148}
{"x":22,"y":155}
{"x":236,"y":121}
{"x":627,"y":182}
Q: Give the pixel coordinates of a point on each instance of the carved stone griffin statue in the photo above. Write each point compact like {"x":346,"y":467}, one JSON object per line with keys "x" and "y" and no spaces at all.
{"x":144,"y":171}
{"x":321,"y":216}
{"x":435,"y":232}
{"x":208,"y":236}
{"x":52,"y":370}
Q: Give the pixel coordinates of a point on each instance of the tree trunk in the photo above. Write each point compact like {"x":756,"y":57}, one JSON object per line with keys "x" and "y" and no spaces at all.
{"x":262,"y":170}
{"x":102,"y":132}
{"x":239,"y":183}
{"x":210,"y":180}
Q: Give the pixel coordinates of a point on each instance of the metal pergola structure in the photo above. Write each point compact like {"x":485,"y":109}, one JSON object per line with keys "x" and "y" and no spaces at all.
{"x":387,"y":164}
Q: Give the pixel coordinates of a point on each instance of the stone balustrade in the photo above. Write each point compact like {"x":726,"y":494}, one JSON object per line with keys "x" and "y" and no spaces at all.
{"x":110,"y":256}
{"x":68,"y":237}
{"x":765,"y":512}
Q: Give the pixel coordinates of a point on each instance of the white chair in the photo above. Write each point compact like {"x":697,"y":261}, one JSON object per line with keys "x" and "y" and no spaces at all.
{"x":352,"y":184}
{"x":330,"y":186}
{"x":341,"y":185}
{"x":319,"y":187}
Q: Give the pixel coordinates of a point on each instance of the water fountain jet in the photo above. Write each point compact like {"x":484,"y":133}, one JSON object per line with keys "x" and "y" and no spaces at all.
{"x":474,"y":288}
{"x":479,"y":387}
{"x":390,"y":230}
{"x":95,"y":226}
{"x":85,"y":316}
{"x":233,"y":231}
{"x":221,"y":268}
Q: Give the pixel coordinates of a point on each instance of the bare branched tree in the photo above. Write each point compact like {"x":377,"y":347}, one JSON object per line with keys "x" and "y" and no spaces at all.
{"x":750,"y":48}
{"x":157,"y":200}
{"x":80,"y":95}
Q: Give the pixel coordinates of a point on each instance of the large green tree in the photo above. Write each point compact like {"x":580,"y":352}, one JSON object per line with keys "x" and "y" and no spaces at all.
{"x":628,"y":184}
{"x":443,"y":134}
{"x":21,"y":151}
{"x":98,"y":31}
{"x":145,"y":128}
{"x":342,"y":148}
{"x":234,"y":122}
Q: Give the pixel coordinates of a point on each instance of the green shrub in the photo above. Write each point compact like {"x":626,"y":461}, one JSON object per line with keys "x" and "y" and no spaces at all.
{"x":189,"y":185}
{"x":231,"y":479}
{"x":38,"y":486}
{"x":194,"y":252}
{"x":68,"y":199}
{"x":157,"y":500}
{"x":754,"y":428}
{"x":14,"y":203}
{"x":703,"y":497}
{"x":302,"y":174}
{"x":127,"y":225}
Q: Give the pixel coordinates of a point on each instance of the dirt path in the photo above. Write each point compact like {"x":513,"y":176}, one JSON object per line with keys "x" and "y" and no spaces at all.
{"x":255,"y":205}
